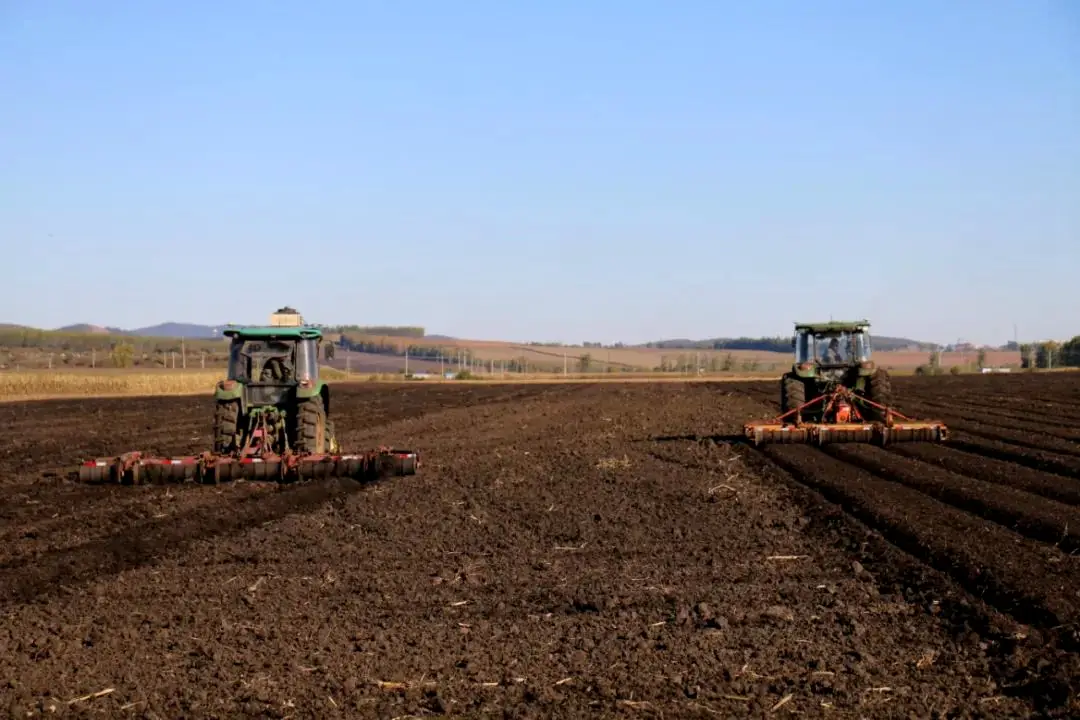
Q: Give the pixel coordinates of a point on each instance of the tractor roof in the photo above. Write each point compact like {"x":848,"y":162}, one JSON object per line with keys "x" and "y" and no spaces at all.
{"x":834,"y":326}
{"x":284,"y":332}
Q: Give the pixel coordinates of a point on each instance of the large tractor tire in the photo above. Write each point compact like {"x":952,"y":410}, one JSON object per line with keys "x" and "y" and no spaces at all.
{"x":879,"y":390}
{"x":792,"y":393}
{"x":226,"y":424}
{"x":311,"y":429}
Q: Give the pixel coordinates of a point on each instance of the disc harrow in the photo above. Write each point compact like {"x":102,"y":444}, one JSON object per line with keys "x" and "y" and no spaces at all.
{"x":842,"y":422}
{"x":135,"y":468}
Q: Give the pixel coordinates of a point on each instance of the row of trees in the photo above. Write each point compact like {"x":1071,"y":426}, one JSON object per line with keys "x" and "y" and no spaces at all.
{"x":409,"y":331}
{"x":1051,"y":354}
{"x":58,"y":341}
{"x":1042,"y":355}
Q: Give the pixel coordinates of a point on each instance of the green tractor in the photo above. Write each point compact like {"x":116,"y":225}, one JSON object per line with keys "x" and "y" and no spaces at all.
{"x":829,"y":356}
{"x":272,"y":399}
{"x":271,"y":421}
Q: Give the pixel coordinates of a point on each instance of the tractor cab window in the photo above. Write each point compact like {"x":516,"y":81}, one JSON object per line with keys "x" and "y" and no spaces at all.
{"x":266,"y":361}
{"x":834,"y":348}
{"x":804,"y":348}
{"x":239,"y":364}
{"x":862,"y":346}
{"x":307,"y":358}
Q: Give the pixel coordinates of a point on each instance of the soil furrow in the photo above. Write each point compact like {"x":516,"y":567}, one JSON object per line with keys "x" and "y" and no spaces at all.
{"x":1055,"y":487}
{"x":958,"y":418}
{"x":1007,"y":415}
{"x":1035,"y":458}
{"x":1031,"y":515}
{"x":1031,"y":582}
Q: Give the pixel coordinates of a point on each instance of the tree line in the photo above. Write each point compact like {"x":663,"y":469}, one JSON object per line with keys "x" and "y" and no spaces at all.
{"x":409,"y":331}
{"x":1050,"y":354}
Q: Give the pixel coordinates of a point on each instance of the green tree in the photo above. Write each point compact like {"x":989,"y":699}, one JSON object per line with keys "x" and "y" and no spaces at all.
{"x":1048,"y":354}
{"x":935,"y":362}
{"x":584,"y":362}
{"x":1027,"y":356}
{"x":122,"y":355}
{"x":1070,"y":352}
{"x":981,"y":359}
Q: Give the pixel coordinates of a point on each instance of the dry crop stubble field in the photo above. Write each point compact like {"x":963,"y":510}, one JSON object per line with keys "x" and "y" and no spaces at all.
{"x":565,"y":550}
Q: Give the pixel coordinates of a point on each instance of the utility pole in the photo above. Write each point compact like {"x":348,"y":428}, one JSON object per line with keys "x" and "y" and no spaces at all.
{"x":93,"y":357}
{"x":564,"y":363}
{"x":406,"y":361}
{"x":183,"y":354}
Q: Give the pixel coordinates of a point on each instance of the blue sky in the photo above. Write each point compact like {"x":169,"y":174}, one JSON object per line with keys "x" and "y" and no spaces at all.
{"x":591,"y":170}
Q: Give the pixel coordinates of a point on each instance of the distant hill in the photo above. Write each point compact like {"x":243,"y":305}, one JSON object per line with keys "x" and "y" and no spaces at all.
{"x":175,"y":329}
{"x":170,"y":329}
{"x":91,"y":329}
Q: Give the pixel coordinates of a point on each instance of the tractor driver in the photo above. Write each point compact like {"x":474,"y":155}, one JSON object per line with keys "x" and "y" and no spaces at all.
{"x":277,"y":368}
{"x":832,"y":353}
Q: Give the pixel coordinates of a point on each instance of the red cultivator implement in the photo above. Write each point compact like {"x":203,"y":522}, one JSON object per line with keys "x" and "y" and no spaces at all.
{"x":838,"y":419}
{"x":135,"y":468}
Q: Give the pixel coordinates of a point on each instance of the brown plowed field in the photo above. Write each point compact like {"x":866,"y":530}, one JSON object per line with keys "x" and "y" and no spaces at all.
{"x":566,"y":550}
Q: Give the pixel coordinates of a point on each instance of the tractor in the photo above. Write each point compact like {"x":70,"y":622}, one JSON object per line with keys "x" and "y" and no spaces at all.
{"x":272,"y":392}
{"x":834,"y":354}
{"x":271,"y":420}
{"x":834,"y":393}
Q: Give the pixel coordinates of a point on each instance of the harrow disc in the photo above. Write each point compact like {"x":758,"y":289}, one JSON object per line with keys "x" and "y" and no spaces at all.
{"x":777,"y":434}
{"x":914,"y":432}
{"x":834,"y":433}
{"x":135,"y":468}
{"x":843,"y":433}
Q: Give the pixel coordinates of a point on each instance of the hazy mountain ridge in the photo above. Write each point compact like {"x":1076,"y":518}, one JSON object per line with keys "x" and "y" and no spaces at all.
{"x":167,"y":329}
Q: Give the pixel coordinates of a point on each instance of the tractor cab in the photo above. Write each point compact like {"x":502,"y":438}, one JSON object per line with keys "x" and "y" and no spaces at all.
{"x":276,"y":357}
{"x":833,"y":345}
{"x":273,"y":366}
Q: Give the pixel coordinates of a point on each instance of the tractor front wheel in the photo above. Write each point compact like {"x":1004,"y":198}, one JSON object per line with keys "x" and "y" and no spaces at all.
{"x":311,"y":436}
{"x":879,"y":390}
{"x":792,"y":393}
{"x":226,"y":421}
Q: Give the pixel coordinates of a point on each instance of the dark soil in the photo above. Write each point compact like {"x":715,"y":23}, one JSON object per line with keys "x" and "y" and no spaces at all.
{"x":566,"y":550}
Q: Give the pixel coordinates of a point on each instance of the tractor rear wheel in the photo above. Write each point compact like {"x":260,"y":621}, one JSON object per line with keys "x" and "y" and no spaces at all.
{"x":879,"y":390}
{"x":792,"y":393}
{"x":226,"y":420}
{"x":311,"y":435}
